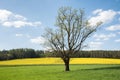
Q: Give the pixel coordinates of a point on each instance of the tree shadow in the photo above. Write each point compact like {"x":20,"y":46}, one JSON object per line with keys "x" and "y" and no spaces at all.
{"x":105,"y":68}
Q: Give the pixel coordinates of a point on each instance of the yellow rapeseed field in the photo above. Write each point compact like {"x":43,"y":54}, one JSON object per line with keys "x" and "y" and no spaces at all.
{"x":35,"y":61}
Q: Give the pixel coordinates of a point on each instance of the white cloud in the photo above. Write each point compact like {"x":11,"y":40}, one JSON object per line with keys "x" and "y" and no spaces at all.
{"x":118,"y":40}
{"x":10,"y":19}
{"x":113,"y":27}
{"x":27,"y":35}
{"x":103,"y":36}
{"x":118,"y":12}
{"x":95,"y":45}
{"x":38,"y":40}
{"x":102,"y":16}
{"x":19,"y":24}
{"x":48,"y":48}
{"x":4,"y":15}
{"x":97,"y":11}
{"x":18,"y":35}
{"x":118,"y":32}
{"x":19,"y":17}
{"x":22,"y":35}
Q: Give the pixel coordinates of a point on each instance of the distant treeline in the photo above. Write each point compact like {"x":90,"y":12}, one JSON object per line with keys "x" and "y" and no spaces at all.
{"x":31,"y":53}
{"x":99,"y":54}
{"x":93,"y":54}
{"x":20,"y":53}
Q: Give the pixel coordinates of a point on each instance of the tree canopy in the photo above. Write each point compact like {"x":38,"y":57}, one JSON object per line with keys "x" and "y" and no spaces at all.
{"x":71,"y":31}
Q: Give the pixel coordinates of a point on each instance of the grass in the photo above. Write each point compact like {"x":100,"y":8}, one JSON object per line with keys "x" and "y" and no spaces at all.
{"x":53,"y":69}
{"x":56,"y":72}
{"x":37,"y":61}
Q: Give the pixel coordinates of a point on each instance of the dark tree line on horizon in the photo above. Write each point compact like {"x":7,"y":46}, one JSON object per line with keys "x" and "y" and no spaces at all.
{"x":31,"y":53}
{"x":20,"y":53}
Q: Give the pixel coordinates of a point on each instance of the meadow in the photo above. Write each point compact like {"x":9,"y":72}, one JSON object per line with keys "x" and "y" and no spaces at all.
{"x":53,"y":69}
{"x":56,"y":72}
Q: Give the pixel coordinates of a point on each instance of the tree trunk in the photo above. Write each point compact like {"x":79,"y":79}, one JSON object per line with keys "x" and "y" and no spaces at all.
{"x":66,"y":61}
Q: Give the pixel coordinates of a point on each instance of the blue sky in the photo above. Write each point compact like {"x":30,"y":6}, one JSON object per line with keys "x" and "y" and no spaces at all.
{"x":22,"y":22}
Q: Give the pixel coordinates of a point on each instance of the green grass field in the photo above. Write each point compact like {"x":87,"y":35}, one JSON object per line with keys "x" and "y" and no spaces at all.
{"x":53,"y":69}
{"x":56,"y":72}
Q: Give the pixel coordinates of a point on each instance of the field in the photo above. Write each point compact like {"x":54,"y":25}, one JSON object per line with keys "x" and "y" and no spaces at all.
{"x":53,"y":69}
{"x":56,"y":72}
{"x":37,"y":61}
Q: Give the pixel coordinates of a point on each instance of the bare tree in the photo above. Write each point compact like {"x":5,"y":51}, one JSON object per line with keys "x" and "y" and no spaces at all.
{"x":71,"y":31}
